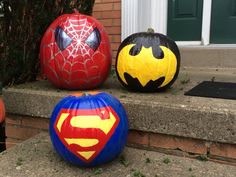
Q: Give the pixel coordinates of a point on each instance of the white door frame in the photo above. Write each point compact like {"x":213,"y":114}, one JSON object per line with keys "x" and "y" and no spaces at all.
{"x":158,"y":19}
{"x":206,"y":21}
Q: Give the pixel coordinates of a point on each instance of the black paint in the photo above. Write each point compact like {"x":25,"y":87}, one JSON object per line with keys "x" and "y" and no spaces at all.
{"x":154,"y":40}
{"x":134,"y":84}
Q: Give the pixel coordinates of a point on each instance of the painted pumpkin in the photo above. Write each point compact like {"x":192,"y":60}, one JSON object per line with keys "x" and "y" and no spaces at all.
{"x":75,"y":52}
{"x":89,"y":130}
{"x":2,"y":126}
{"x":147,"y":62}
{"x":2,"y":111}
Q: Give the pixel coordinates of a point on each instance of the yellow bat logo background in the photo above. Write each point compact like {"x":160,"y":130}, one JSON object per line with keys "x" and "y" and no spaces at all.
{"x":145,"y":66}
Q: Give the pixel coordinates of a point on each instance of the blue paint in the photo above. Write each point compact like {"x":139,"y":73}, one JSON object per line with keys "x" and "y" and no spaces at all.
{"x":114,"y":145}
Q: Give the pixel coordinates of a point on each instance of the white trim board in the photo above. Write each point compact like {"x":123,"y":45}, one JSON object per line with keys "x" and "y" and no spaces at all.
{"x":206,"y":21}
{"x":129,"y":20}
{"x":188,"y":43}
{"x":157,"y":12}
{"x":139,"y":15}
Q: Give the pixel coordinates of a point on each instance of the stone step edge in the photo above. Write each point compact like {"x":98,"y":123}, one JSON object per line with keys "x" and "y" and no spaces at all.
{"x":23,"y":159}
{"x":206,"y":123}
{"x":204,"y":56}
{"x":169,"y":144}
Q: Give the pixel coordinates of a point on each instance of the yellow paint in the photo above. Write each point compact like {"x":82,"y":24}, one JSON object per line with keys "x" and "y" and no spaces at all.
{"x":61,"y":120}
{"x":93,"y":121}
{"x":145,"y":66}
{"x":86,"y":154}
{"x":82,"y":142}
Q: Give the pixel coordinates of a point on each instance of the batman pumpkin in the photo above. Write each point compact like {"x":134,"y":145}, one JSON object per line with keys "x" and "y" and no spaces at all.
{"x":147,"y":62}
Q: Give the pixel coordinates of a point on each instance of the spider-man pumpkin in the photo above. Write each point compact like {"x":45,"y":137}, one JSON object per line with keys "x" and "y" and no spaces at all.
{"x":90,"y":129}
{"x":75,"y":52}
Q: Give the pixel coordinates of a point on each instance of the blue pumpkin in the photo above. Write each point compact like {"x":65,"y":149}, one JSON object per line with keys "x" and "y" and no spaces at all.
{"x":90,"y":129}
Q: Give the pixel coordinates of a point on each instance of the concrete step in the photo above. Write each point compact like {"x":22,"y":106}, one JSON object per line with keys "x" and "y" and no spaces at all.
{"x":36,"y":157}
{"x":169,"y":113}
{"x":212,"y":56}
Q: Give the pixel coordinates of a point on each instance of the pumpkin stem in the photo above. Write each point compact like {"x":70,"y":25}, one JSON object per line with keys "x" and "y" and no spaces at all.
{"x":86,"y":94}
{"x":150,"y":30}
{"x":76,"y":11}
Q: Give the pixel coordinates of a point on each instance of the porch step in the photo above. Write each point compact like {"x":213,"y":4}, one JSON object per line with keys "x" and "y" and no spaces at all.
{"x":36,"y":157}
{"x":212,"y":56}
{"x":169,"y":113}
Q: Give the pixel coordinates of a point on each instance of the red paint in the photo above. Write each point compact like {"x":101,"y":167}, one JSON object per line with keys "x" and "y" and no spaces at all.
{"x":68,"y":131}
{"x":78,"y":66}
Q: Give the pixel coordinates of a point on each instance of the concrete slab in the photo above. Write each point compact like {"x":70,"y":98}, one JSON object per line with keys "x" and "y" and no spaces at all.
{"x":36,"y":157}
{"x":211,"y":56}
{"x":168,"y":113}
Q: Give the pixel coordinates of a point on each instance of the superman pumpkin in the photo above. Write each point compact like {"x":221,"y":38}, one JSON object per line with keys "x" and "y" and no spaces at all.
{"x":89,"y":130}
{"x":75,"y":52}
{"x":147,"y":62}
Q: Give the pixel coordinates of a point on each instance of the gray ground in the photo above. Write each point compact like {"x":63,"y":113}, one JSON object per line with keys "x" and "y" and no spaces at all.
{"x":36,"y":157}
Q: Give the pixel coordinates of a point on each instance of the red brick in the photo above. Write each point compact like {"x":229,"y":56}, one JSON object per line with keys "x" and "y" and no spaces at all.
{"x":113,"y":62}
{"x":223,"y":150}
{"x":34,"y":122}
{"x":117,"y":6}
{"x":137,"y":137}
{"x":103,"y":7}
{"x":115,"y":46}
{"x":113,"y":30}
{"x":10,"y":142}
{"x":106,"y":22}
{"x":114,"y":53}
{"x":13,"y":120}
{"x":40,"y":123}
{"x":97,"y":15}
{"x":111,"y":0}
{"x":97,"y":1}
{"x":21,"y":133}
{"x":172,"y":142}
{"x":116,"y":38}
{"x":116,"y":22}
{"x":111,"y":14}
{"x":110,"y":38}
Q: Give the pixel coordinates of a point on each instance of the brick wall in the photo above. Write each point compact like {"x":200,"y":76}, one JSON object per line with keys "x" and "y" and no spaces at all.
{"x":108,"y":12}
{"x":182,"y":146}
{"x":20,"y":128}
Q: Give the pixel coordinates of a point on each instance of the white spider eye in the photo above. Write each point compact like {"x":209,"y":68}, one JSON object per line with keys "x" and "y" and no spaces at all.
{"x":94,"y":39}
{"x":62,"y":39}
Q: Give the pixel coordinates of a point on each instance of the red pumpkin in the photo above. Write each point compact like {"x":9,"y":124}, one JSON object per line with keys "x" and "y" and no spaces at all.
{"x":75,"y":52}
{"x":2,"y":127}
{"x":2,"y":111}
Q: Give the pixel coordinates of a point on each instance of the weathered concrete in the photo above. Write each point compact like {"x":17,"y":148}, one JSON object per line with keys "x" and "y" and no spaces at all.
{"x":168,"y":113}
{"x":209,"y":56}
{"x":36,"y":157}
